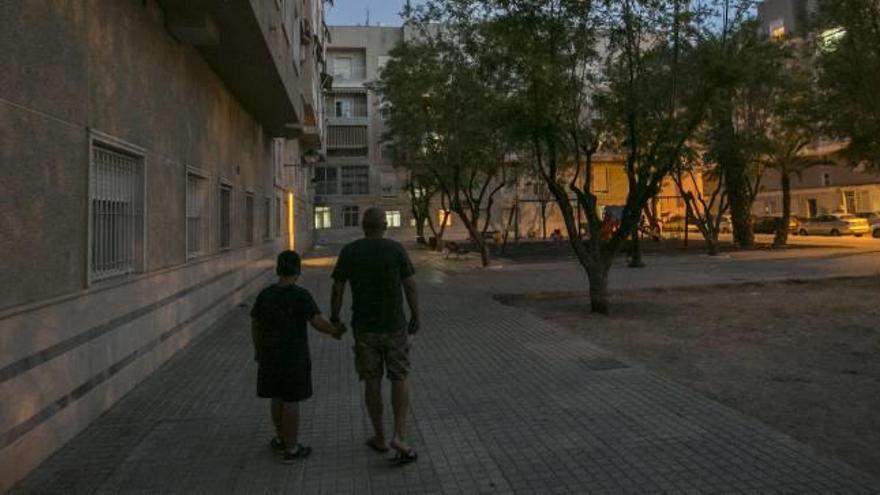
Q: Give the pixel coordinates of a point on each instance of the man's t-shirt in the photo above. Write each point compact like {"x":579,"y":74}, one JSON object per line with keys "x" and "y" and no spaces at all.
{"x":282,"y":314}
{"x":375,"y":269}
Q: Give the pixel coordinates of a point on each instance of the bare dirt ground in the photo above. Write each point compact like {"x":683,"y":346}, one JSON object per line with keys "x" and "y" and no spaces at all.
{"x":803,"y":357}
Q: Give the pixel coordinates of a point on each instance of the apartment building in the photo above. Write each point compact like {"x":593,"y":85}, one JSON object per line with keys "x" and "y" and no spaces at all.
{"x":833,"y":187}
{"x":357,"y":172}
{"x":154,"y":161}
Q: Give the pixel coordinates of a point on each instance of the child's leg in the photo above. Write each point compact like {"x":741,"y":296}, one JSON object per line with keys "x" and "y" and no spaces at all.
{"x":290,"y":424}
{"x":277,"y":412}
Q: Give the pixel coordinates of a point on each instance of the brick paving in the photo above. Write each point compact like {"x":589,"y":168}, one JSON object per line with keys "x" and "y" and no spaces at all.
{"x":503,"y":403}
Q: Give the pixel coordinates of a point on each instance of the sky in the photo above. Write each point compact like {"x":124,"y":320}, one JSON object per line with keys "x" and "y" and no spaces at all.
{"x":354,"y":12}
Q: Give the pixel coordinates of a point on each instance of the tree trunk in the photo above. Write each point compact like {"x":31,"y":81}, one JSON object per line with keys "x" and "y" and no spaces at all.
{"x":740,"y":210}
{"x":635,"y":251}
{"x":711,"y":243}
{"x":781,"y":238}
{"x":477,"y":238}
{"x":597,"y":274}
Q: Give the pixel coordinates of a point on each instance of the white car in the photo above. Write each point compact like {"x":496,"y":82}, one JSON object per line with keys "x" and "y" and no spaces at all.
{"x":873,"y":218}
{"x":834,"y":225}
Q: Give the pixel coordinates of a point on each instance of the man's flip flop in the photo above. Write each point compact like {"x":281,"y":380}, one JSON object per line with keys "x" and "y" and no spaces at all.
{"x":371,"y":444}
{"x":401,"y":457}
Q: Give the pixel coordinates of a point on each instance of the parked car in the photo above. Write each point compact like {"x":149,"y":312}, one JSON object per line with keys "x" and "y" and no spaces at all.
{"x":835,"y":225}
{"x":873,"y":219}
{"x":767,"y":225}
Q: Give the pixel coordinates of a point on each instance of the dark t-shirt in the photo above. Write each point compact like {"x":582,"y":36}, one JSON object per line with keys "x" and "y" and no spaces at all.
{"x":283,"y":314}
{"x":375,"y":269}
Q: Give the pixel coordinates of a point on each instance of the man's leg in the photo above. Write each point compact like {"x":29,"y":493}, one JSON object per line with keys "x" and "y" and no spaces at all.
{"x":373,"y":398}
{"x":400,"y":404}
{"x":290,"y":424}
{"x":277,"y":408}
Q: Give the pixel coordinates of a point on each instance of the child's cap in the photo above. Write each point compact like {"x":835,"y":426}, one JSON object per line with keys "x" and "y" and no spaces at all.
{"x":289,"y":264}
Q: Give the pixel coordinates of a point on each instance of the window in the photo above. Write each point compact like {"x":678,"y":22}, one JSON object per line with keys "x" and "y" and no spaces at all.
{"x":350,"y":216}
{"x":347,"y":140}
{"x":323,"y":217}
{"x":225,"y":217}
{"x":826,"y":179}
{"x":342,"y":68}
{"x":277,"y":217}
{"x":116,"y":201}
{"x":249,"y":219}
{"x":441,"y":214}
{"x":600,"y":179}
{"x":326,"y":181}
{"x":267,"y":218}
{"x":197,"y":210}
{"x":356,"y":179}
{"x":392,"y":218}
{"x":777,"y":30}
{"x":849,"y":201}
{"x":344,"y":108}
{"x":389,"y":185}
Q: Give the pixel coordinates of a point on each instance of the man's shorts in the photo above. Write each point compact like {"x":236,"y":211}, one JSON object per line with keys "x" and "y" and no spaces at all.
{"x":378,"y":352}
{"x":287,"y":385}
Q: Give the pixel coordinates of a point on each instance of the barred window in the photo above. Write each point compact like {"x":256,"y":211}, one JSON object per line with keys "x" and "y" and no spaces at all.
{"x":392,"y":218}
{"x":249,"y":219}
{"x":350,"y":216}
{"x":326,"y":181}
{"x":267,"y":219}
{"x":196,"y":215}
{"x":323,"y":217}
{"x":116,"y":220}
{"x":225,"y":217}
{"x":356,"y":179}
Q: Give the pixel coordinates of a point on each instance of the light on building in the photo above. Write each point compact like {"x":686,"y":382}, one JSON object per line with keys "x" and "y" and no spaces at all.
{"x":290,"y":233}
{"x":830,"y":38}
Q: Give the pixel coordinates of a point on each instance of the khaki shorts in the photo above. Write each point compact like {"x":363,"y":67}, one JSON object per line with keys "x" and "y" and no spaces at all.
{"x":378,"y":352}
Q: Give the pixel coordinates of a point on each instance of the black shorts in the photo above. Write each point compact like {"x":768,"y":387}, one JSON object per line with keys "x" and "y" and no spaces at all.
{"x":288,"y":385}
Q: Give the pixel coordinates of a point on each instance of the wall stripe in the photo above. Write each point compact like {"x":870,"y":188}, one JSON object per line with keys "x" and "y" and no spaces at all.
{"x":47,"y":412}
{"x":24,"y":364}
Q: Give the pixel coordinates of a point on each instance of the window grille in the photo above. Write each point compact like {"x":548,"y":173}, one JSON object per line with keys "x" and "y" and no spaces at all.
{"x":350,"y":216}
{"x":116,"y":197}
{"x":225,"y":217}
{"x":249,"y":219}
{"x":326,"y":181}
{"x":323,"y":217}
{"x":392,"y":218}
{"x":277,"y":217}
{"x":196,"y":215}
{"x":267,"y":218}
{"x":356,"y":179}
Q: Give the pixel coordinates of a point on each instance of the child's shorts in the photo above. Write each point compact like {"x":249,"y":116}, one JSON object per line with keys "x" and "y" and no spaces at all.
{"x":287,"y":385}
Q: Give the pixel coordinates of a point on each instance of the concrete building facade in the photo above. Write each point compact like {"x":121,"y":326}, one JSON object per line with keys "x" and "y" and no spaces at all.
{"x":154,"y":159}
{"x":357,"y":172}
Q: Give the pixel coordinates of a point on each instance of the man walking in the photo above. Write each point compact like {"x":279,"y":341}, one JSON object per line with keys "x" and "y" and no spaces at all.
{"x":380,"y":273}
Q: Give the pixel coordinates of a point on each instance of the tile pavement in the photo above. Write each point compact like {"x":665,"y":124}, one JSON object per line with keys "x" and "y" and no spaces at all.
{"x":503,"y":403}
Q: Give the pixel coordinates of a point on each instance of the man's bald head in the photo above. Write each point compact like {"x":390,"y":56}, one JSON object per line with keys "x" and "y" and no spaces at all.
{"x":374,"y":221}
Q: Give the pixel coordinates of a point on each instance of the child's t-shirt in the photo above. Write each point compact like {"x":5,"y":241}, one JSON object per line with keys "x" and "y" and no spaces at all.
{"x":283,"y":313}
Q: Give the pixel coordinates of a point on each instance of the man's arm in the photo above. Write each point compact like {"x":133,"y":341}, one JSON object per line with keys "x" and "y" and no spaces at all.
{"x":255,"y":335}
{"x":412,"y":300}
{"x":336,"y":300}
{"x":324,"y":326}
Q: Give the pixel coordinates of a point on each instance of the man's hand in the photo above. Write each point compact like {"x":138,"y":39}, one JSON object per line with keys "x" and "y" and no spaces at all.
{"x":340,"y":330}
{"x":414,"y":326}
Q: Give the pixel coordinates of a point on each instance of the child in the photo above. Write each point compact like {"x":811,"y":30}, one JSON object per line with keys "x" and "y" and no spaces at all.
{"x":279,"y":329}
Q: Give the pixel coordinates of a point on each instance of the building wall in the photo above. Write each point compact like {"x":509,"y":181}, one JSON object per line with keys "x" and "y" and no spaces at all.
{"x":70,"y":349}
{"x":828,"y":185}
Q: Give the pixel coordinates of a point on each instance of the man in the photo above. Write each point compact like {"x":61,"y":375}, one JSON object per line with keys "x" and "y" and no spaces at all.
{"x":380,"y":272}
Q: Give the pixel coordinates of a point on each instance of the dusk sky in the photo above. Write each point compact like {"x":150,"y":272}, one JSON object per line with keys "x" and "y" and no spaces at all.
{"x":354,"y":12}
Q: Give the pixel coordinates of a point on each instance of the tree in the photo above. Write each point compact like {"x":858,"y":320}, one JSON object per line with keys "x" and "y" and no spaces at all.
{"x":706,"y":207}
{"x":443,"y":104}
{"x":848,"y":39}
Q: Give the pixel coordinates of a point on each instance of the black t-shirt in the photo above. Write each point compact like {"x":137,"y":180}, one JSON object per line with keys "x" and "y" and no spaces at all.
{"x":375,"y":269}
{"x":283,"y":314}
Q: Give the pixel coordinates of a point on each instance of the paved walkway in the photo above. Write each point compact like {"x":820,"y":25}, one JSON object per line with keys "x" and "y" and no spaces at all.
{"x":503,"y":402}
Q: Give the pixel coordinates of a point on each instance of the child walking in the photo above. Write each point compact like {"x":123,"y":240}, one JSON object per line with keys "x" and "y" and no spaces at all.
{"x":280,"y":318}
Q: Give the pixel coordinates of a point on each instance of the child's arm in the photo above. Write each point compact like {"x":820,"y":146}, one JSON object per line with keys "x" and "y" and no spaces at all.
{"x":255,"y":335}
{"x":324,"y":326}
